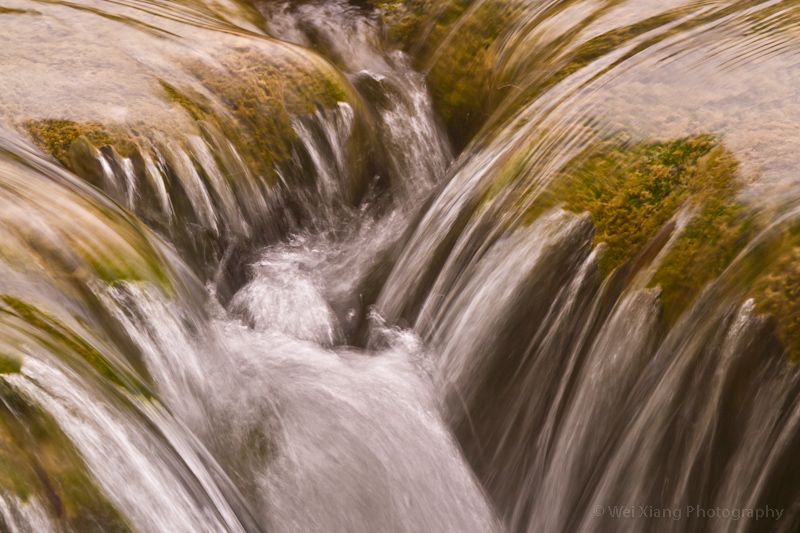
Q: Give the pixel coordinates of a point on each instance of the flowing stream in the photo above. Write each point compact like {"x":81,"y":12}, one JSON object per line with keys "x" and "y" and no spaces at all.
{"x":402,"y":266}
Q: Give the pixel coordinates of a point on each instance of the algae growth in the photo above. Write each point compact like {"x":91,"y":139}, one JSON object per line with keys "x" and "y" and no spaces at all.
{"x":776,"y":290}
{"x":37,"y":459}
{"x":635,"y":191}
{"x":58,"y":136}
{"x":453,"y":42}
{"x":264,"y":94}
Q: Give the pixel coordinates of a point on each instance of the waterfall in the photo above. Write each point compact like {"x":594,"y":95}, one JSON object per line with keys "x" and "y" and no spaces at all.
{"x":399,"y":265}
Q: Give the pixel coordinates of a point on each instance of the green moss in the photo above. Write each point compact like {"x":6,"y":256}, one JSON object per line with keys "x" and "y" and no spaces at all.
{"x":718,"y":231}
{"x":10,"y":364}
{"x":190,"y":105}
{"x":776,"y":290}
{"x":264,"y":94}
{"x":57,"y":137}
{"x":632,"y":191}
{"x":402,"y":19}
{"x":420,"y":25}
{"x":37,"y":458}
{"x":454,"y":45}
{"x":59,"y":339}
{"x":460,"y":78}
{"x":113,"y":268}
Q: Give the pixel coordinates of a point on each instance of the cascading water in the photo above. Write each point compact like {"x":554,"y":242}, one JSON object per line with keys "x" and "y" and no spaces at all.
{"x":454,"y":265}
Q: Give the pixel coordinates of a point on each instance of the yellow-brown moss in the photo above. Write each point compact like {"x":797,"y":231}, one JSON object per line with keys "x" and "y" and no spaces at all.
{"x":403,"y":19}
{"x":776,"y":290}
{"x":462,"y":70}
{"x":631,"y":191}
{"x":57,"y":136}
{"x":718,"y":230}
{"x":59,"y":338}
{"x":454,"y":45}
{"x":37,"y":458}
{"x":264,"y":94}
{"x":194,"y":105}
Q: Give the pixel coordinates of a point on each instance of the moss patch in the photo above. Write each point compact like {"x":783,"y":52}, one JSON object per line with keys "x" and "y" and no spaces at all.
{"x":198,"y":111}
{"x":454,"y":44}
{"x":57,"y":136}
{"x":718,"y":231}
{"x":59,"y":339}
{"x":461,"y":74}
{"x":776,"y":290}
{"x":37,"y":458}
{"x":10,"y":364}
{"x":264,"y":94}
{"x":632,"y":191}
{"x":402,"y":18}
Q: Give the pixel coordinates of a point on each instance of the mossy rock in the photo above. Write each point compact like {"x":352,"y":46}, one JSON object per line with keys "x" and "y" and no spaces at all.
{"x":453,"y":41}
{"x":57,"y":338}
{"x":37,"y":459}
{"x":634,"y":192}
{"x":461,"y":71}
{"x":776,"y":289}
{"x":220,"y":103}
{"x":265,"y":93}
{"x":633,"y":189}
{"x":247,"y":107}
{"x":58,"y":136}
{"x":719,"y":228}
{"x":403,"y":19}
{"x":226,"y":171}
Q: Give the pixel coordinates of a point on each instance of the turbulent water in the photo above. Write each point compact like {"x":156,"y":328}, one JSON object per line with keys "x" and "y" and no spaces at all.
{"x":467,"y":266}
